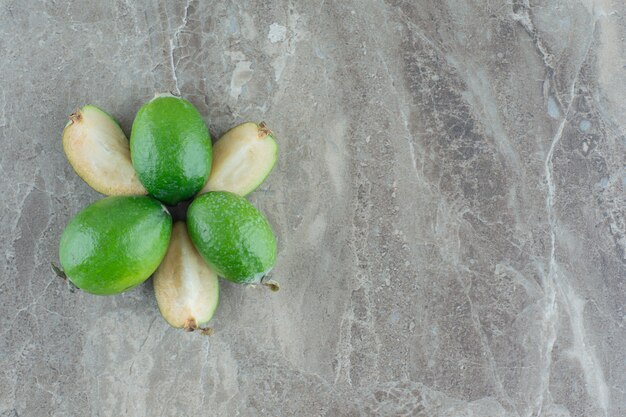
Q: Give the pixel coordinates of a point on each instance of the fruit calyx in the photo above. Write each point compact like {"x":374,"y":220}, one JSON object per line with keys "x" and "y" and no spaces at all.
{"x":264,"y":130}
{"x":76,"y":117}
{"x":269,"y":283}
{"x":61,"y":274}
{"x":191,"y":326}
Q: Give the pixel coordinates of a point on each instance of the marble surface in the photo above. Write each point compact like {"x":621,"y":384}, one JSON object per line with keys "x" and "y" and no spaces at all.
{"x":449,"y":203}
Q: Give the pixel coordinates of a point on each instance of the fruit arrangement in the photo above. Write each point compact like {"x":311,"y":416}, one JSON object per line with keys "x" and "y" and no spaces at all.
{"x":118,"y":242}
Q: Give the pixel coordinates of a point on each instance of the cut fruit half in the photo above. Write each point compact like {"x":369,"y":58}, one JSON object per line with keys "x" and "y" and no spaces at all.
{"x":186,"y":288}
{"x":242,"y":158}
{"x":99,"y":152}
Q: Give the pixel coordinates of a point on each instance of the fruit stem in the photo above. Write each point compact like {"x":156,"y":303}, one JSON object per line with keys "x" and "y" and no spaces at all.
{"x":263,"y":130}
{"x":191,"y":325}
{"x":61,"y":274}
{"x":274,"y":286}
{"x":205,"y":331}
{"x":58,"y":271}
{"x":76,"y":116}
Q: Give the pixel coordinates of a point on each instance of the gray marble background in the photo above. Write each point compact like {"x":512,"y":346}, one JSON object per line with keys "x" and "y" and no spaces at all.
{"x":449,"y":203}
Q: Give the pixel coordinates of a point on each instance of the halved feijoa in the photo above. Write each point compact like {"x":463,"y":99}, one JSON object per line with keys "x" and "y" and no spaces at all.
{"x":186,"y":288}
{"x":242,"y":158}
{"x":170,"y":148}
{"x":115,"y":243}
{"x":98,"y":150}
{"x":232,"y":236}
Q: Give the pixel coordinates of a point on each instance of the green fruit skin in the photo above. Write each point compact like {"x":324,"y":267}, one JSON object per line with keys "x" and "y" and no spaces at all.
{"x":115,"y":243}
{"x":170,"y":148}
{"x":232,"y":236}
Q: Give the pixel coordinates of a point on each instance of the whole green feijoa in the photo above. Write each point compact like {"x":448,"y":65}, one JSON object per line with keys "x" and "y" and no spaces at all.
{"x":170,"y":148}
{"x":232,"y":236}
{"x":115,"y":243}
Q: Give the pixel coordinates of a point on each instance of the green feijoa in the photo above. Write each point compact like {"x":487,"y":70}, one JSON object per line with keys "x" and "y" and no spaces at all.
{"x":115,"y":243}
{"x":232,"y":236}
{"x":97,"y":149}
{"x":242,"y":159}
{"x":170,"y":148}
{"x":186,"y":288}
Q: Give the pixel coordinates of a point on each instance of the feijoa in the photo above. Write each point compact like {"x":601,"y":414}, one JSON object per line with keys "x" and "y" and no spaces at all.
{"x":170,"y":148}
{"x":232,"y":236}
{"x":115,"y":243}
{"x":186,"y":288}
{"x":98,"y":150}
{"x":242,"y":158}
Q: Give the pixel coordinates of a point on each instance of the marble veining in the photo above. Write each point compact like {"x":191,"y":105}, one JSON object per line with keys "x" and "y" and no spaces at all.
{"x":449,"y":205}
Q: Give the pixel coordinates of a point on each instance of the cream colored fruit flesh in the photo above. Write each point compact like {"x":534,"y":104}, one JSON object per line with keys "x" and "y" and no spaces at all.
{"x":186,"y":288}
{"x":242,"y":158}
{"x":98,"y":150}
